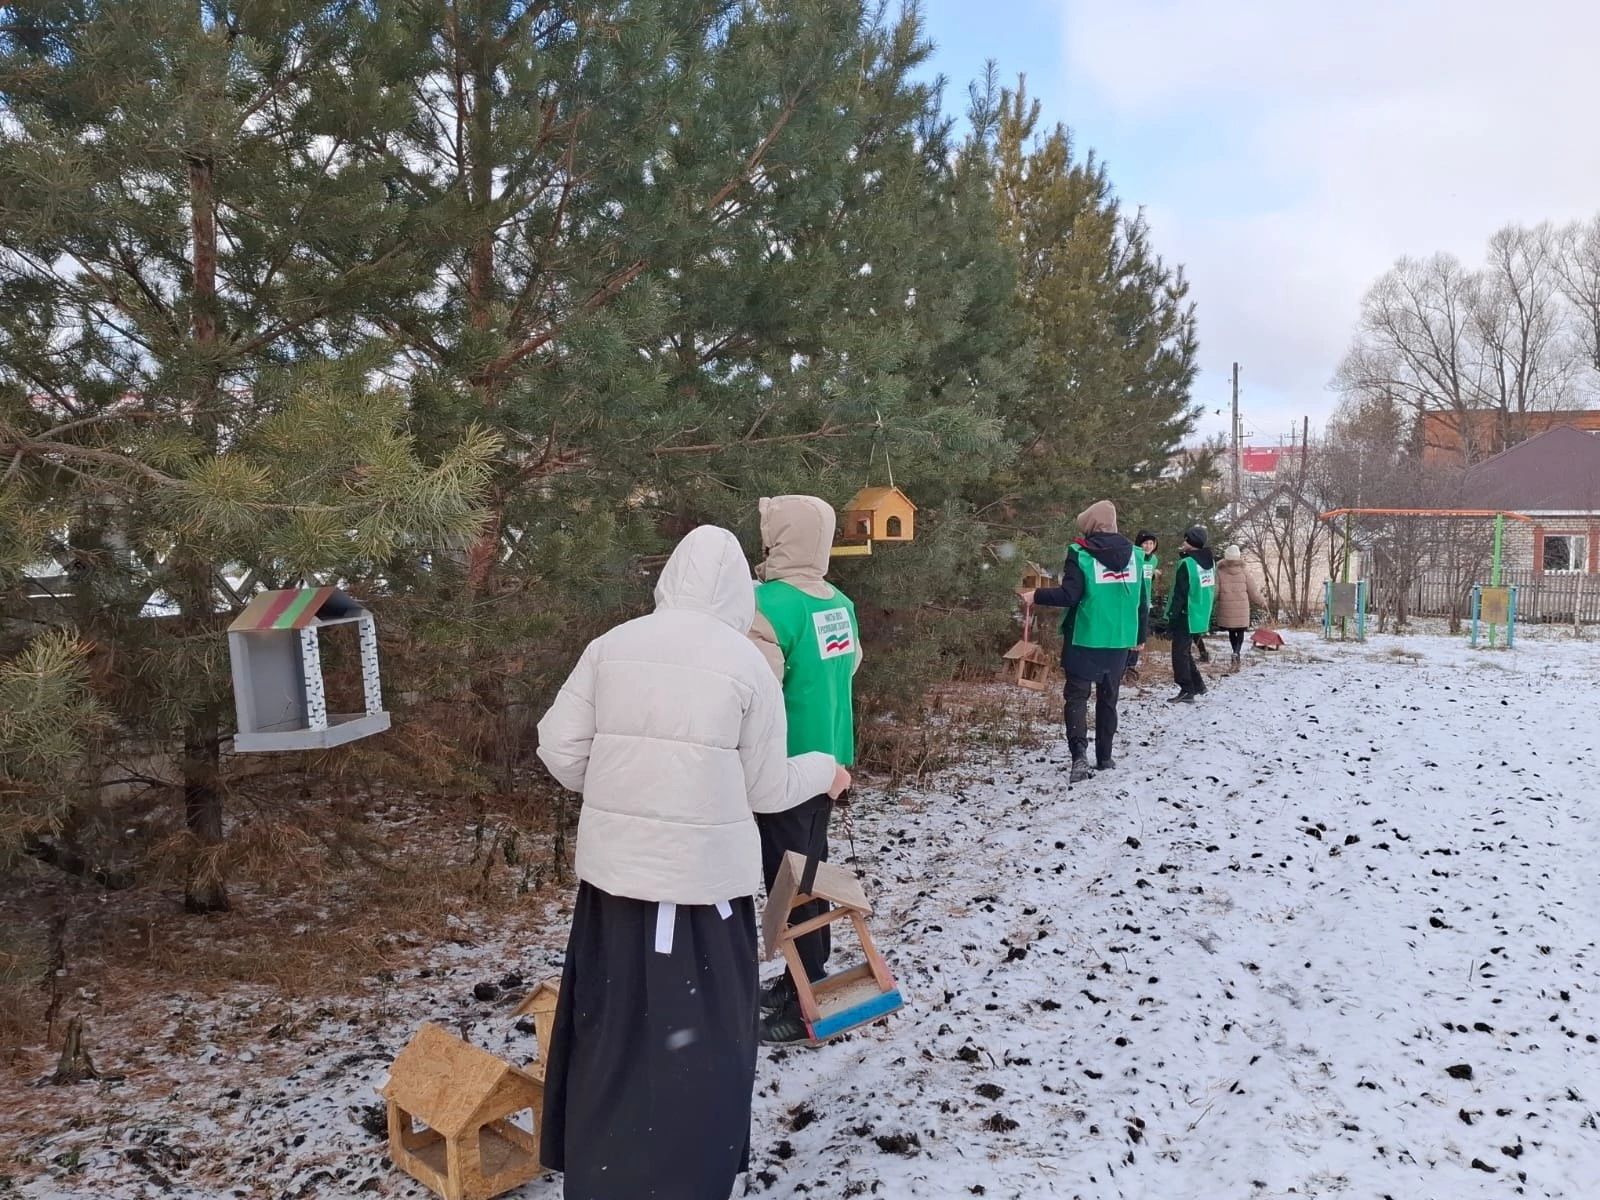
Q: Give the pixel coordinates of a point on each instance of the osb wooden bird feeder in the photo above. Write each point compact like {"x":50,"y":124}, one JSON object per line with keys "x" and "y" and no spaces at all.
{"x":465,"y":1096}
{"x":540,"y":1004}
{"x":877,"y":514}
{"x":278,"y":691}
{"x":846,"y":1000}
{"x":1027,"y":662}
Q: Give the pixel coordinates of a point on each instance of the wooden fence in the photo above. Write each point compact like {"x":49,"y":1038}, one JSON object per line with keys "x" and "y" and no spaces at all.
{"x":1562,"y":598}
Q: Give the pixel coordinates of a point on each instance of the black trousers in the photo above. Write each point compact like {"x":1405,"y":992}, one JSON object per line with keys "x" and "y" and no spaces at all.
{"x":1107,"y":686}
{"x":1184,"y":669}
{"x":653,"y":1058}
{"x":1236,"y":638}
{"x":804,"y":828}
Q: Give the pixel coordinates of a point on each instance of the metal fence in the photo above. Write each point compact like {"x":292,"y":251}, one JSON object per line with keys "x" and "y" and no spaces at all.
{"x":1539,"y":597}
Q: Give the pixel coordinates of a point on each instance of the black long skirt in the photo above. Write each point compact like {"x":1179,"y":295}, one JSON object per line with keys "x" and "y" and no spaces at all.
{"x":653,"y":1059}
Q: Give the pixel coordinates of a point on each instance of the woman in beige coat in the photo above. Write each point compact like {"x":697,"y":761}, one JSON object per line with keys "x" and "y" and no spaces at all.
{"x":1236,"y":595}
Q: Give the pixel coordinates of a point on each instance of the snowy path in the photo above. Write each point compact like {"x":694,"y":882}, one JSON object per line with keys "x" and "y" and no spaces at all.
{"x":1246,"y":965}
{"x":1243,"y":966}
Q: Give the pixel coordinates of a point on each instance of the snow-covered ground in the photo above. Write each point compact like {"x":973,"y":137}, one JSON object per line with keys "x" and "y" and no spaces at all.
{"x":1329,"y":932}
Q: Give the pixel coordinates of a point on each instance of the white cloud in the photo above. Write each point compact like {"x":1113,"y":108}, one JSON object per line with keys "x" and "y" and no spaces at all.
{"x":1288,"y":152}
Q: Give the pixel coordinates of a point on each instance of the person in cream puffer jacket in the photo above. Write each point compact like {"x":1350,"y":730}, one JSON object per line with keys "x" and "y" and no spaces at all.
{"x":672,"y":726}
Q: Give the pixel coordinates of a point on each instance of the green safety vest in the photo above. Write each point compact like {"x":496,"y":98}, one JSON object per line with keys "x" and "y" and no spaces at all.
{"x":819,"y":640}
{"x":1202,"y":594}
{"x":1108,"y":616}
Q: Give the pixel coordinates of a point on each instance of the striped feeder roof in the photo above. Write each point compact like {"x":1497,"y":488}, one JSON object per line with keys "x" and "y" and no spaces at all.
{"x":276,"y":652}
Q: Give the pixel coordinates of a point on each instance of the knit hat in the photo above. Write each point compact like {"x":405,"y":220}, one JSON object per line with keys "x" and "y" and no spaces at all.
{"x":1146,"y":536}
{"x":1195,"y":536}
{"x":1099,"y":517}
{"x":1231,"y":553}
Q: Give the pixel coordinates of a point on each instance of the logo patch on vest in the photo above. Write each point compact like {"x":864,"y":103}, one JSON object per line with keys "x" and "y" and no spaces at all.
{"x":1104,"y":574}
{"x":1208,"y":577}
{"x":1149,"y":570}
{"x":834,"y":635}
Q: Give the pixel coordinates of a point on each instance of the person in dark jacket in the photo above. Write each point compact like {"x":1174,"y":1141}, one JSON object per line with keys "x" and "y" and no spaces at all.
{"x":1102,"y":591}
{"x":1147,"y":544}
{"x":1194,"y":590}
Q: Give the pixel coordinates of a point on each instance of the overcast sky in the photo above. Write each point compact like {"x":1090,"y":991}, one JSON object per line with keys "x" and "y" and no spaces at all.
{"x":1288,"y":152}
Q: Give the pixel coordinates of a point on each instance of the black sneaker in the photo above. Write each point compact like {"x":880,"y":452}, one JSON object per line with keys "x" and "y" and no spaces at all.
{"x":777,"y":994}
{"x":784,"y":1027}
{"x":1080,"y":771}
{"x":1106,"y":764}
{"x":1181,"y":698}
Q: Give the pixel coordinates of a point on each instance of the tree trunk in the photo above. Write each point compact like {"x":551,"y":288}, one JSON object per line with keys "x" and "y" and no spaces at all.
{"x":74,"y":1065}
{"x":207,"y":889}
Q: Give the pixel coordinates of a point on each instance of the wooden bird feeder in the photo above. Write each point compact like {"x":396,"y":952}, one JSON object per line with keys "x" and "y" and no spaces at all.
{"x":465,"y":1096}
{"x":851,"y":998}
{"x":1028,"y":662}
{"x":278,"y":692}
{"x":1267,"y":639}
{"x":1034,"y":577}
{"x":877,"y":514}
{"x":540,"y":1004}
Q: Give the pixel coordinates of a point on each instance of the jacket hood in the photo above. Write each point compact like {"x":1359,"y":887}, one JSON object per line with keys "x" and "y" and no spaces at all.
{"x":797,"y":532}
{"x":1099,"y":517}
{"x":1111,"y":549}
{"x":1230,"y":564}
{"x":1202,"y":557}
{"x":709,"y":573}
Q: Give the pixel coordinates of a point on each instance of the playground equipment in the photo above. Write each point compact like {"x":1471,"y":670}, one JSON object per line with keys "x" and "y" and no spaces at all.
{"x":1493,"y":606}
{"x":1342,"y":601}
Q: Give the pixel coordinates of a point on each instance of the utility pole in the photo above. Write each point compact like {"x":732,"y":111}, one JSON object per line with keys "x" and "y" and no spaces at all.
{"x":1237,"y":463}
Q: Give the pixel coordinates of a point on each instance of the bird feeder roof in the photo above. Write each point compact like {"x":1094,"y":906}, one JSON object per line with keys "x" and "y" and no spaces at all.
{"x":296,"y":608}
{"x":454,"y":1086}
{"x":873,"y":498}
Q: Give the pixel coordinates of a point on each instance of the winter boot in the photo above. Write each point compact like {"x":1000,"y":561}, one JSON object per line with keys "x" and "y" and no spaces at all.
{"x":1108,"y":763}
{"x":785,"y":1027}
{"x":1181,"y":698}
{"x":778,"y":994}
{"x":1235,"y":667}
{"x":1080,"y":771}
{"x":1201,"y":650}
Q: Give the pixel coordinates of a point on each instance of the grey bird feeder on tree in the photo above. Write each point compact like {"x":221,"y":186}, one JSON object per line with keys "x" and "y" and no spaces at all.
{"x":276,"y":654}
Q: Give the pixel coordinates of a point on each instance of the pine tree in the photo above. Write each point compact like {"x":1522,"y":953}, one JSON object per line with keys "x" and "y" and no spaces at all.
{"x":698,"y":259}
{"x":1112,"y":333}
{"x":191,"y":220}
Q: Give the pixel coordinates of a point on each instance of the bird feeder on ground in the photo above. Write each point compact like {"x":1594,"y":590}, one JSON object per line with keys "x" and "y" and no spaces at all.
{"x":877,"y":514}
{"x":1267,"y":639}
{"x":540,"y":1004}
{"x":278,"y":691}
{"x":846,"y":1000}
{"x":470,"y":1148}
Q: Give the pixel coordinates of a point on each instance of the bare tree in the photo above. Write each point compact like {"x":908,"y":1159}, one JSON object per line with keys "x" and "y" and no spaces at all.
{"x":1415,"y":343}
{"x":1578,"y":268}
{"x":1522,"y":329}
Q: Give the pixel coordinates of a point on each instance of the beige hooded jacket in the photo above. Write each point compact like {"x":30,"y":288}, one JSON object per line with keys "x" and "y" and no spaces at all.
{"x":798,"y":534}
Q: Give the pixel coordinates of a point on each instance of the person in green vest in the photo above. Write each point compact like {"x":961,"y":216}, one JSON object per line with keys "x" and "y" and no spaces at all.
{"x":806,"y":629}
{"x":1146,"y":543}
{"x":1103,"y":592}
{"x":1194,"y":591}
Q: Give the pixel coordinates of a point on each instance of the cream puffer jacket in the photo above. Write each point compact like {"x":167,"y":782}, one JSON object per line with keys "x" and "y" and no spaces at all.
{"x":672,"y":727}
